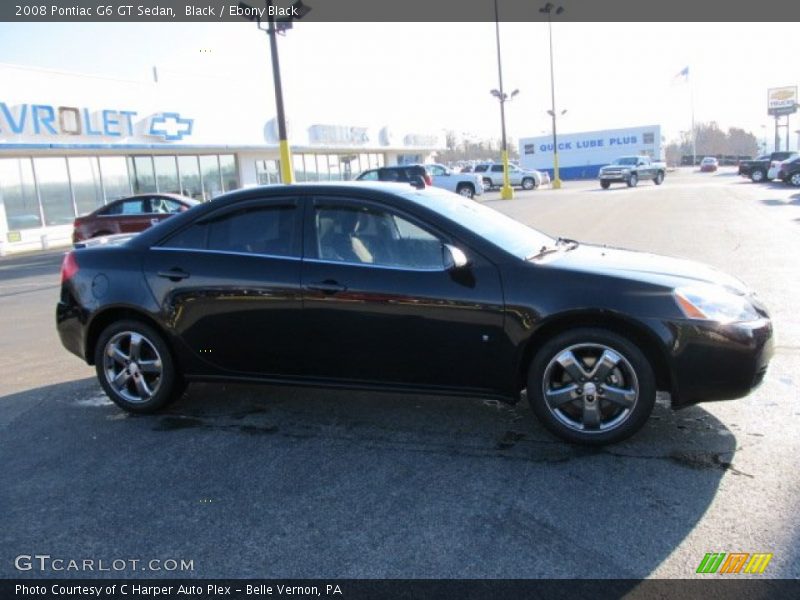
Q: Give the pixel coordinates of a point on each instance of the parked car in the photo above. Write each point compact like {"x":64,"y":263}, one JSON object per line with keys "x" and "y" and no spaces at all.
{"x":758,"y":170}
{"x":466,"y":169}
{"x":418,"y":175}
{"x":492,"y":175}
{"x":775,"y":166}
{"x":465,"y":184}
{"x":790,"y":172}
{"x":631,"y":170}
{"x":383,"y":286}
{"x":129,"y":215}
{"x":709,"y":164}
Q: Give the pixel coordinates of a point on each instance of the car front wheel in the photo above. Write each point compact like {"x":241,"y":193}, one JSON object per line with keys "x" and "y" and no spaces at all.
{"x":633,"y":180}
{"x":758,"y":175}
{"x":135,"y":367}
{"x":659,"y":179}
{"x":528,"y":183}
{"x":487,"y":183}
{"x":794,"y":179}
{"x":591,"y":386}
{"x":605,"y":184}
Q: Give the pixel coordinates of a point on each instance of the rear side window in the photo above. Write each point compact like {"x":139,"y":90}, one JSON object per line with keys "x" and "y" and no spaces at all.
{"x":268,"y":230}
{"x":129,"y":207}
{"x":480,"y":168}
{"x":368,"y":176}
{"x":497,"y":168}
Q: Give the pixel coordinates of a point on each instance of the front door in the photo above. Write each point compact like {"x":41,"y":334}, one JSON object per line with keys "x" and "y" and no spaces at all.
{"x":380,"y":306}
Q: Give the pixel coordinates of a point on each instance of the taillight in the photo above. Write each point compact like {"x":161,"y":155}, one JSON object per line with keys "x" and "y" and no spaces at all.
{"x":428,"y":180}
{"x":69,"y":267}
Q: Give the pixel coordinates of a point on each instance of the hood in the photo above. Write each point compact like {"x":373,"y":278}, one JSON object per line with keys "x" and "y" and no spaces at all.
{"x":644,"y":266}
{"x":616,"y":167}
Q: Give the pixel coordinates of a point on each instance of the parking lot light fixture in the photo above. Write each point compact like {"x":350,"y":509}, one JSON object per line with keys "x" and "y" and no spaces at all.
{"x":549,"y":9}
{"x":278,"y":27}
{"x":506,"y":192}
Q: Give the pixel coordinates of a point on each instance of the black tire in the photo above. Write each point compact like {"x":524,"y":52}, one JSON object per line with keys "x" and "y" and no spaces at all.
{"x":632,"y":370}
{"x":165,"y":386}
{"x":633,"y":179}
{"x":487,"y":183}
{"x":528,"y":183}
{"x":758,"y":175}
{"x":466,"y":190}
{"x":605,"y":184}
{"x":794,"y":179}
{"x":659,"y":178}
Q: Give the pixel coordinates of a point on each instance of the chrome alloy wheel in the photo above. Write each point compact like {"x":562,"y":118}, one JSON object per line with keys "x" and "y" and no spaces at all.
{"x":590,"y":388}
{"x":132,"y":366}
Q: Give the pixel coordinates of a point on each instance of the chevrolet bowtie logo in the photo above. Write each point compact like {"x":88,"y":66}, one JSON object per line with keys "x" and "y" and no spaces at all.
{"x":171,"y":127}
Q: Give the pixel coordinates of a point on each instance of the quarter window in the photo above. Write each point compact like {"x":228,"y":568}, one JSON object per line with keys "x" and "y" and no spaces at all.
{"x":375,"y":237}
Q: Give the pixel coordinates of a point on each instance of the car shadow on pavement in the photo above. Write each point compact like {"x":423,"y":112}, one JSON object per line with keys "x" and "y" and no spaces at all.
{"x":283,"y":482}
{"x":777,"y":202}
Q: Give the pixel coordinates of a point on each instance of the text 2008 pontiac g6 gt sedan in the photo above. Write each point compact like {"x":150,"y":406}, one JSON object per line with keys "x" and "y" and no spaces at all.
{"x":385,"y":286}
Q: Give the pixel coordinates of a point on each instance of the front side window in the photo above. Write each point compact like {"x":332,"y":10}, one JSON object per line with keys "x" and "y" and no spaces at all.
{"x":270,"y":230}
{"x":364,"y":235}
{"x":497,"y":168}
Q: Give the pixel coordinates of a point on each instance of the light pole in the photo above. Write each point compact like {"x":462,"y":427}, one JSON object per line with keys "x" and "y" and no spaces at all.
{"x":506,"y":192}
{"x":548,"y":9}
{"x":275,"y":27}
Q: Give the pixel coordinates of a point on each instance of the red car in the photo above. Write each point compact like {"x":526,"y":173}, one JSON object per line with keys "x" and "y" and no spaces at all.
{"x":129,"y":215}
{"x":709,"y":164}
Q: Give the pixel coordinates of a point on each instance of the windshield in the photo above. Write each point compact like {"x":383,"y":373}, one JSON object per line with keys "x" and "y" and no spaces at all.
{"x":495,"y":227}
{"x":625,"y":160}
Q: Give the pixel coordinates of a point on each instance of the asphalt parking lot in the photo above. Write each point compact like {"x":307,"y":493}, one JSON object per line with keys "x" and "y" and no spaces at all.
{"x":263,"y":481}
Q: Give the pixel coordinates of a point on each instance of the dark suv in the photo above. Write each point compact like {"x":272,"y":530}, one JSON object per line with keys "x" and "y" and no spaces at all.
{"x":400,"y":173}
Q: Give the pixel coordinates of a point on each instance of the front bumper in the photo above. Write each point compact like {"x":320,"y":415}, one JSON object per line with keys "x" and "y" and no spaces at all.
{"x":713,"y":361}
{"x":614,"y":177}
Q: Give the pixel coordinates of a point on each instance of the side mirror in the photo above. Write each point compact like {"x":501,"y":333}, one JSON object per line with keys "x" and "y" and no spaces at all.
{"x":454,"y":258}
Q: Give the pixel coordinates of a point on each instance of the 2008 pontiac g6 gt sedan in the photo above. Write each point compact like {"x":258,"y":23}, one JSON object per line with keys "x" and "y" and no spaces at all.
{"x":383,"y":286}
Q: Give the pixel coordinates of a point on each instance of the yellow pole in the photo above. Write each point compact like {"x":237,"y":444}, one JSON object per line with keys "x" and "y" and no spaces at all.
{"x":506,"y":192}
{"x":287,"y":173}
{"x":556,"y":184}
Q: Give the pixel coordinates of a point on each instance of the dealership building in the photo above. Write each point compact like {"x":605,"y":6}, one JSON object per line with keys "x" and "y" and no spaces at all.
{"x":580,"y":155}
{"x":70,"y":143}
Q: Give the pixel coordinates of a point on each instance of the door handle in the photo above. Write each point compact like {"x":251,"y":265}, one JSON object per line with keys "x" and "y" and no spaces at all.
{"x":174,"y":274}
{"x":328,"y":287}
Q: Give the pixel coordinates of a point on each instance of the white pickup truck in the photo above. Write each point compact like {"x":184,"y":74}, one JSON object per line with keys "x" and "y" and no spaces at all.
{"x":466,"y":184}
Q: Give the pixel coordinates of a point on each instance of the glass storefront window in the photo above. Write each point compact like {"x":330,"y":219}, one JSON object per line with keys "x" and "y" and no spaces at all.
{"x":209,"y":167}
{"x":116,"y":182}
{"x":227,"y":167}
{"x":142,"y":175}
{"x":18,"y":193}
{"x":322,"y":168}
{"x":166,"y":174}
{"x":190,"y":177}
{"x":333,"y":167}
{"x":84,"y":173}
{"x":54,"y":193}
{"x":267,"y":172}
{"x":299,"y":168}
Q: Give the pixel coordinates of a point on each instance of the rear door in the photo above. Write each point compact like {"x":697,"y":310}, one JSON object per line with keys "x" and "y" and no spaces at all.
{"x":229,"y":286}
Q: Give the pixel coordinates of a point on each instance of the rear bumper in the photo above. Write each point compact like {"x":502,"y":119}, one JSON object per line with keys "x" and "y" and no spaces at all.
{"x":711,"y":361}
{"x":71,"y":326}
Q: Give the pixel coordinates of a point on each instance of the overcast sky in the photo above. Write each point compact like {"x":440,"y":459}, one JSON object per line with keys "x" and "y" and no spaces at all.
{"x":434,"y":76}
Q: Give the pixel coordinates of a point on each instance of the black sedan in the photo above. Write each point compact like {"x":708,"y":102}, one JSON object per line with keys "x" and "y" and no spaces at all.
{"x":383,"y":286}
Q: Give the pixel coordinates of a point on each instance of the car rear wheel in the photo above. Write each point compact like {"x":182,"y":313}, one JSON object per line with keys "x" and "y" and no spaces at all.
{"x":659,"y":179}
{"x":135,"y":367}
{"x":591,"y":386}
{"x":605,"y":184}
{"x":487,"y":183}
{"x":794,"y":179}
{"x":528,"y":183}
{"x":633,"y":180}
{"x":757,"y":175}
{"x":465,"y":190}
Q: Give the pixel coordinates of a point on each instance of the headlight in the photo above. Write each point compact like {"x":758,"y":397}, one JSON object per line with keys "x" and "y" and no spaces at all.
{"x":712,"y":303}
{"x":625,"y":171}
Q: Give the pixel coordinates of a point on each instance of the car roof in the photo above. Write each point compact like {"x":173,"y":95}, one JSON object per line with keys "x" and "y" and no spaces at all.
{"x":178,"y":197}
